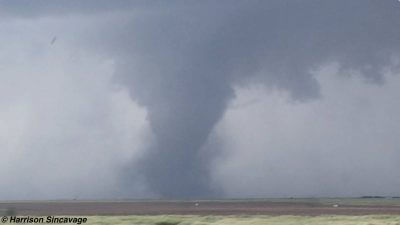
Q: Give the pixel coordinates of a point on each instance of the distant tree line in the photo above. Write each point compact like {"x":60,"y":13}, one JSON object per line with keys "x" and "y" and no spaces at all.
{"x":377,"y":196}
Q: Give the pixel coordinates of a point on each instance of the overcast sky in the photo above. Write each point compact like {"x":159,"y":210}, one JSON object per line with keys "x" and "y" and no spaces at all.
{"x":199,"y":99}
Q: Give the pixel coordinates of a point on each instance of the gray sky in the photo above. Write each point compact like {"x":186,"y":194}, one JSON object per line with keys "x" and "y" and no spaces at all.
{"x":197,"y":99}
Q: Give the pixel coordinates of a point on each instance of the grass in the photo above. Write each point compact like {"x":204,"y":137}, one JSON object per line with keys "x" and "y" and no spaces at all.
{"x":246,"y":220}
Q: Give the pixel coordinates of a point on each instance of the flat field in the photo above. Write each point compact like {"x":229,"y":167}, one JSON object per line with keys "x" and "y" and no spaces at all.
{"x":303,"y":207}
{"x":329,"y":211}
{"x":246,"y":220}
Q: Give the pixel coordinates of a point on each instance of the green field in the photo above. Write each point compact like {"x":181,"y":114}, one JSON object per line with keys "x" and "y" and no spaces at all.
{"x":246,"y":220}
{"x":350,"y":211}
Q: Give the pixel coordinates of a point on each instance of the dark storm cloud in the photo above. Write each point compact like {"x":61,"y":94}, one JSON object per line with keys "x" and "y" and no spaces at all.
{"x":190,"y":59}
{"x":27,"y":8}
{"x":40,"y":8}
{"x":182,"y":60}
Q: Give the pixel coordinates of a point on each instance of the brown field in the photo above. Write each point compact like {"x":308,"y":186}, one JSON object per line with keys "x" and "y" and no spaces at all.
{"x":242,"y":207}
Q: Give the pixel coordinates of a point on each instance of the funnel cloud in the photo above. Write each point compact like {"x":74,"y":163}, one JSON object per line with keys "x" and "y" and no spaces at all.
{"x":189,"y":99}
